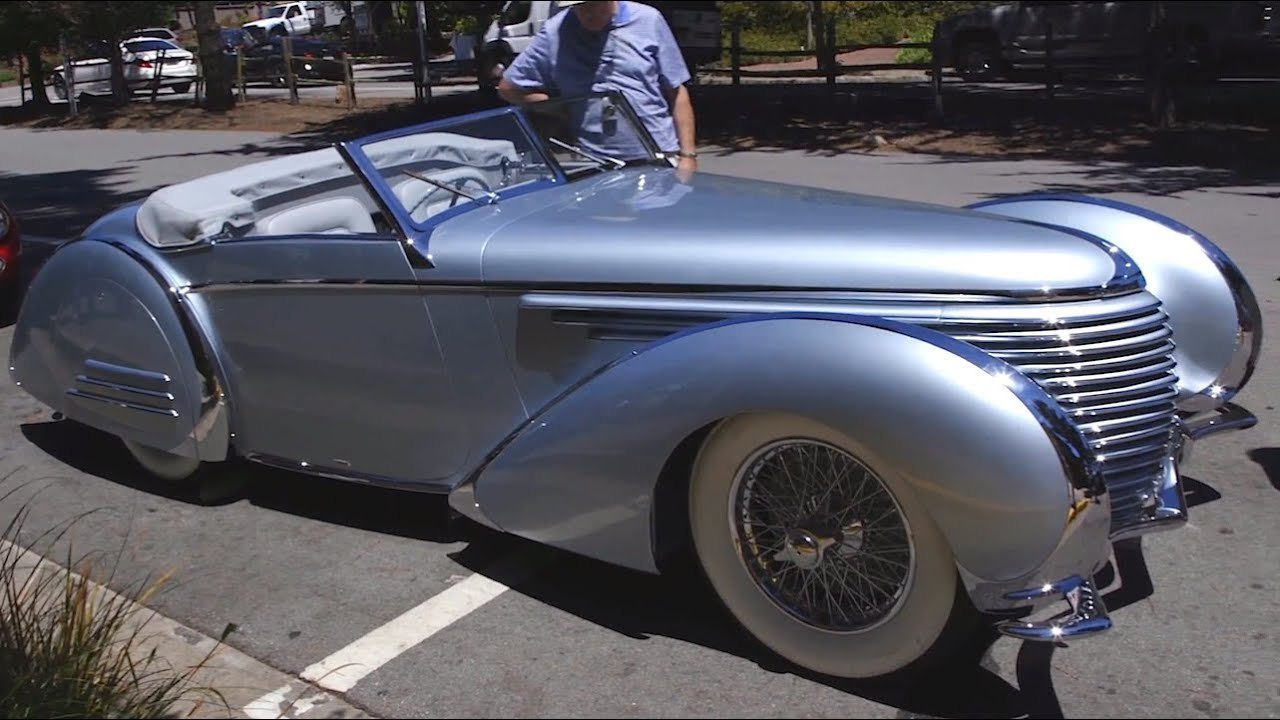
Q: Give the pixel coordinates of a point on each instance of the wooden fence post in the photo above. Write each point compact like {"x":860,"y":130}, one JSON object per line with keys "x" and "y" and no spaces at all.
{"x":69,"y":79}
{"x":1048,"y":59}
{"x":288,"y":70}
{"x":22,"y":80}
{"x":348,"y":76}
{"x":244,"y":94}
{"x":830,"y":52}
{"x":936,"y":82}
{"x":735,"y":51}
{"x":155,"y":81}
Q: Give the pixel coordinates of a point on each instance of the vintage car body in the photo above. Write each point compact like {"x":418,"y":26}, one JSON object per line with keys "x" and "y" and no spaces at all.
{"x":869,"y":419}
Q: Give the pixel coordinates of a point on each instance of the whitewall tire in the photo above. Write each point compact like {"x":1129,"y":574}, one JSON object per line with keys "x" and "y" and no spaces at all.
{"x":818,"y":550}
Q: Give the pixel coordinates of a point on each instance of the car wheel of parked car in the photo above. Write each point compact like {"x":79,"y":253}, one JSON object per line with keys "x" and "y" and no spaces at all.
{"x":820,"y":552}
{"x":182,"y":88}
{"x":979,"y":61}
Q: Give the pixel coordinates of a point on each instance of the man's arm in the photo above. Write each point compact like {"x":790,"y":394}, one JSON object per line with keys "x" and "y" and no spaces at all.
{"x":529,"y":75}
{"x":682,"y":114}
{"x":517,"y":95}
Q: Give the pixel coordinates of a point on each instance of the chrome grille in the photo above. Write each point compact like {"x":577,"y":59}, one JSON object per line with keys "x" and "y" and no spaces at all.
{"x":1111,"y":367}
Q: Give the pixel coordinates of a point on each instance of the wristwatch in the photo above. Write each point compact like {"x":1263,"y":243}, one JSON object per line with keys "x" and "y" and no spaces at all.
{"x":690,"y":155}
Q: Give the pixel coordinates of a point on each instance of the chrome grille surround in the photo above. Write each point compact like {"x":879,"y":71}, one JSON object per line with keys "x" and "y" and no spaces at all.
{"x":1110,"y":363}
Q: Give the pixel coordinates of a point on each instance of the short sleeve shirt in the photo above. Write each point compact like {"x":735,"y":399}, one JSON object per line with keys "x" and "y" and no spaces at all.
{"x":636,"y":55}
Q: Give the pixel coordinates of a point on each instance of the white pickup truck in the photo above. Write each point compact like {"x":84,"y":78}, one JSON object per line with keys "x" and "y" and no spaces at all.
{"x":696,"y":26}
{"x":303,"y":17}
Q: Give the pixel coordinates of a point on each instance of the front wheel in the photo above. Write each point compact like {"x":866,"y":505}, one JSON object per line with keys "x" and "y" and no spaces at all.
{"x":819,"y":551}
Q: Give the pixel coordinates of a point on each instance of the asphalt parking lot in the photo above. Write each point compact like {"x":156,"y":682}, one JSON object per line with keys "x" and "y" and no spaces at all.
{"x":305,"y":567}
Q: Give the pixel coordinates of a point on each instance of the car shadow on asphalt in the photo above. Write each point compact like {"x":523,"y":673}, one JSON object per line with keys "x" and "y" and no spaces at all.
{"x":416,"y":516}
{"x":677,"y":604}
{"x":1269,"y":460}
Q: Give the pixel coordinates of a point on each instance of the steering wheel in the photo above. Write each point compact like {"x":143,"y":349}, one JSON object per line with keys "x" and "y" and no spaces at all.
{"x":458,"y":177}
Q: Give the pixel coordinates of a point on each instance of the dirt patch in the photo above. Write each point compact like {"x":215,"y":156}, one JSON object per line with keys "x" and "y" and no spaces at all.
{"x":257,"y":115}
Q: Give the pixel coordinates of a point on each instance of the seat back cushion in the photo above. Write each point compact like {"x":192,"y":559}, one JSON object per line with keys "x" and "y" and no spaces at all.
{"x":333,"y":215}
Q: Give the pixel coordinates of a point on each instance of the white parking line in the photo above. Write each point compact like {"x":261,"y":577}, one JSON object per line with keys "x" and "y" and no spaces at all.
{"x":341,"y":671}
{"x":268,"y":706}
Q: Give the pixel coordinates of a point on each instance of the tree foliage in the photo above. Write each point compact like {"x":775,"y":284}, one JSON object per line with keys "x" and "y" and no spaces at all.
{"x":857,"y":21}
{"x":33,"y":27}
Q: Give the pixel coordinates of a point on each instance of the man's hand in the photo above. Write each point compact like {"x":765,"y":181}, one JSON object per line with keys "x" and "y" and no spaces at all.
{"x":686,"y":168}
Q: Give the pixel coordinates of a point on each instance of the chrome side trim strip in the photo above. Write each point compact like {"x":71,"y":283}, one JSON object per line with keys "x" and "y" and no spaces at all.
{"x":308,"y":468}
{"x":122,"y":403}
{"x":650,"y":289}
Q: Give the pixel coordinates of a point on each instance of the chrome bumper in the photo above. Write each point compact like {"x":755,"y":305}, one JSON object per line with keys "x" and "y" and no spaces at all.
{"x":1086,"y":614}
{"x":1199,"y":426}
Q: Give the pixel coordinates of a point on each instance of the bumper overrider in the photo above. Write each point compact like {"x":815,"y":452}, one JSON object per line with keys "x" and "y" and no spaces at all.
{"x":1085,"y":613}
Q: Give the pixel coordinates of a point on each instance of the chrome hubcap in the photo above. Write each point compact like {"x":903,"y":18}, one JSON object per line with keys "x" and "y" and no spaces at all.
{"x":821,"y":535}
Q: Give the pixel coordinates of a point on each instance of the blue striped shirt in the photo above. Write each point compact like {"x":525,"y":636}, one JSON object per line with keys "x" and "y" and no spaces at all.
{"x":636,"y":55}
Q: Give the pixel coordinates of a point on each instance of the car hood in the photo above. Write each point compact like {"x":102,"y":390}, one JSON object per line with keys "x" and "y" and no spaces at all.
{"x":642,"y":227}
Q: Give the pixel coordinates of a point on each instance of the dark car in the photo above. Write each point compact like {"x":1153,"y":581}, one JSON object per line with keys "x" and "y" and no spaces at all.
{"x":312,"y":60}
{"x":1213,"y":38}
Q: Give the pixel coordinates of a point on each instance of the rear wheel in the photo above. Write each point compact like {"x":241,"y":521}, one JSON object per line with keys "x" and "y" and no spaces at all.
{"x":200,"y":481}
{"x":821,"y":553}
{"x":181,"y":88}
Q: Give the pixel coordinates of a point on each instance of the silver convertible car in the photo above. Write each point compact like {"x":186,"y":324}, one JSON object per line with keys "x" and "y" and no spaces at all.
{"x":875,"y":424}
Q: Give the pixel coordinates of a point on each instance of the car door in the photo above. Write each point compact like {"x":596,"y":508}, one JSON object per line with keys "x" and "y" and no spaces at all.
{"x":446,"y":234}
{"x":93,"y":69}
{"x":328,"y":347}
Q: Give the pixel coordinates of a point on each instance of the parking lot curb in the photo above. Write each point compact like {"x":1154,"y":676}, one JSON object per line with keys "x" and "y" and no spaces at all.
{"x":249,"y":687}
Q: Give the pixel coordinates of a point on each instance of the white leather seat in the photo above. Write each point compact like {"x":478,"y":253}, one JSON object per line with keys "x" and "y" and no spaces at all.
{"x":332,"y":215}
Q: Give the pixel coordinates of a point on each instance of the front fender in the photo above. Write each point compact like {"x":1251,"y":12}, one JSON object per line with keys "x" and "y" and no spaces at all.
{"x":995,"y":459}
{"x":100,"y":339}
{"x":1213,"y":312}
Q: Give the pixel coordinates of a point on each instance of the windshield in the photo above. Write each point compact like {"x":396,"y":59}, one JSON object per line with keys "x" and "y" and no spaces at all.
{"x":477,"y":160}
{"x":452,"y":164}
{"x":275,"y":12}
{"x":602,"y":125}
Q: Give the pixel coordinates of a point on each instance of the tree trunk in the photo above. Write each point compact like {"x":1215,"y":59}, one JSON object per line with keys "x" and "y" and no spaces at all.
{"x":120,"y":92}
{"x":217,"y":81}
{"x":818,"y":26}
{"x":35,"y":76}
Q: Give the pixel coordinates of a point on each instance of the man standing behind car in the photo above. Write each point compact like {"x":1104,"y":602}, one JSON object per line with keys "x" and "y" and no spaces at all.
{"x":599,"y":46}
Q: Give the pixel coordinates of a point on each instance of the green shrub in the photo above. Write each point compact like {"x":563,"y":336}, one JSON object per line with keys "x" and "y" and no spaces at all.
{"x":71,"y":648}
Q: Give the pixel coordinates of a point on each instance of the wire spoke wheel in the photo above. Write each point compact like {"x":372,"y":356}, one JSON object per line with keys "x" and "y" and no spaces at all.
{"x":821,"y":535}
{"x":820,"y":548}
